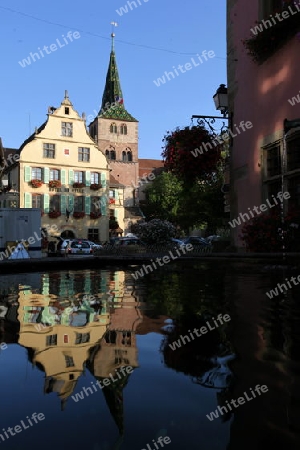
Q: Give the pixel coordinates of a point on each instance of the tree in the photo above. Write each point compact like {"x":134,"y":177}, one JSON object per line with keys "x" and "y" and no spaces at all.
{"x":163,"y":198}
{"x":191,"y":153}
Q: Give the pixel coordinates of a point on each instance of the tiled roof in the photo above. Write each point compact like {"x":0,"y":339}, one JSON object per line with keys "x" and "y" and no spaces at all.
{"x":147,"y":166}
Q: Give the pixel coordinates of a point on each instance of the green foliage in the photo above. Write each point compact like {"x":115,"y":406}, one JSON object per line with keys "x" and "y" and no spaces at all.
{"x":163,"y":198}
{"x":186,"y":206}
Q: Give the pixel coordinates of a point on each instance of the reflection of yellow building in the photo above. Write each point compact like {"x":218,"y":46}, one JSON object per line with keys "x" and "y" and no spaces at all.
{"x":62,"y":347}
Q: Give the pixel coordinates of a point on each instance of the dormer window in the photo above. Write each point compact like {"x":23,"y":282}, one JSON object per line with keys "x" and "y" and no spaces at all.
{"x":67,"y":110}
{"x":113,"y":128}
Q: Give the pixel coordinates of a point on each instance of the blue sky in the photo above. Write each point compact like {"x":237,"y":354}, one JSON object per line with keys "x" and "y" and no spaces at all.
{"x":184,"y":29}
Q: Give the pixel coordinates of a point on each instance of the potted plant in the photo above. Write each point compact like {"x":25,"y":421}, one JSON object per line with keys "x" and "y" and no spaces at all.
{"x":95,"y":215}
{"x":112,"y":201}
{"x":78,"y":215}
{"x":78,"y":185}
{"x":54,"y":184}
{"x":54,"y":214}
{"x":36,"y":183}
{"x":266,"y":41}
{"x":95,"y":186}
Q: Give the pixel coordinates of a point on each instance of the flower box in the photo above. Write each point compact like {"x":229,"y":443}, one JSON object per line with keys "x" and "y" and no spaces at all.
{"x":36,"y":183}
{"x":54,"y":184}
{"x":95,"y":215}
{"x":95,"y":187}
{"x":268,"y":41}
{"x":78,"y":185}
{"x":54,"y":214}
{"x":112,"y":201}
{"x":78,"y":215}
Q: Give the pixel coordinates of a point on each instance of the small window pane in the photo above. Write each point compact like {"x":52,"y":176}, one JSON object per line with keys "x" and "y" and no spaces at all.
{"x":67,"y":129}
{"x":95,"y":178}
{"x":83,"y":154}
{"x":54,"y":174}
{"x":78,"y":177}
{"x":79,"y":205}
{"x":36,"y":201}
{"x":49,"y":150}
{"x":36,"y":173}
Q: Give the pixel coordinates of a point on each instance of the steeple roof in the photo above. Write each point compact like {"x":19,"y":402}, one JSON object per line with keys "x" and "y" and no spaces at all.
{"x":112,"y":101}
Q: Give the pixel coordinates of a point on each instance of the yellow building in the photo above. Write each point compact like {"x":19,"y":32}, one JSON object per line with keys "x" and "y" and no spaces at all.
{"x":62,"y":171}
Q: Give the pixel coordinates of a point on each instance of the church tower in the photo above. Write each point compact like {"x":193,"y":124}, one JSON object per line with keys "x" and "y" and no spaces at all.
{"x":116,"y":134}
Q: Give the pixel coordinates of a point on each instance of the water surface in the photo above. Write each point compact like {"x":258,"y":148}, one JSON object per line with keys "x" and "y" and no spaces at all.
{"x":66,"y":332}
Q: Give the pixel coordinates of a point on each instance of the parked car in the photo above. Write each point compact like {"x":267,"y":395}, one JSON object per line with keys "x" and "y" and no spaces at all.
{"x":62,"y":245}
{"x":95,"y":246}
{"x":178,"y":243}
{"x":80,"y":247}
{"x":197,"y":242}
{"x":129,"y":241}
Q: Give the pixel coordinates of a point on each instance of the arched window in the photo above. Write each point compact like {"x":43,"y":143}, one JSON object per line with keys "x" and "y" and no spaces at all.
{"x":123,"y":128}
{"x":129,"y":156}
{"x":113,"y":128}
{"x":124,"y":157}
{"x":107,"y":153}
{"x":113,"y":155}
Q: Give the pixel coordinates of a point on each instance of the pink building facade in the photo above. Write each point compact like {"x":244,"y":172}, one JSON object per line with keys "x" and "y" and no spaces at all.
{"x":263,"y":88}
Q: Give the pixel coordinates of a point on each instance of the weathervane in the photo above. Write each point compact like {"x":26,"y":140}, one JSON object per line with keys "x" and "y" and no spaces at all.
{"x":113,"y":24}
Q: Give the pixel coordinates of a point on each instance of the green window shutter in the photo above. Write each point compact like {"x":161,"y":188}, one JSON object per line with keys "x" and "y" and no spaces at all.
{"x":71,"y":176}
{"x":27,"y":173}
{"x":88,"y":178}
{"x":46,"y":203}
{"x":103,"y":205}
{"x":116,"y":194}
{"x":46,"y":174}
{"x":63,"y":204}
{"x":27,"y":200}
{"x":103,"y":180}
{"x":87,"y":205}
{"x":63,"y":176}
{"x":71,"y":202}
{"x":116,"y":214}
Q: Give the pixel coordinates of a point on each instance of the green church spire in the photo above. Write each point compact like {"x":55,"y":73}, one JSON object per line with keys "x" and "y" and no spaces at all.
{"x":112,"y":101}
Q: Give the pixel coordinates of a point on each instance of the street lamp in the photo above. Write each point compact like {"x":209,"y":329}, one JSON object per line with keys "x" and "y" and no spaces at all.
{"x":221,"y":103}
{"x":221,"y":99}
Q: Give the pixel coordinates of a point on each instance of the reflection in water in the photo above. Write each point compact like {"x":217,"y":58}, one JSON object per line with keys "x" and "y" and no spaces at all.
{"x":65,"y":328}
{"x":89,"y":324}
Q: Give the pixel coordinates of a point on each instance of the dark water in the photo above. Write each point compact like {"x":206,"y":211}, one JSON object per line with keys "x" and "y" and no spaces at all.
{"x":67,"y":331}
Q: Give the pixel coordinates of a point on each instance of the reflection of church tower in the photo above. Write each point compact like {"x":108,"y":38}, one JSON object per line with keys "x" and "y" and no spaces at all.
{"x":116,"y":133}
{"x":117,"y":348}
